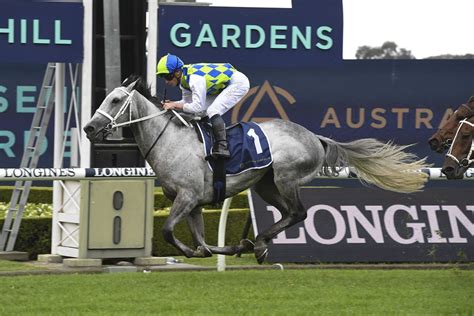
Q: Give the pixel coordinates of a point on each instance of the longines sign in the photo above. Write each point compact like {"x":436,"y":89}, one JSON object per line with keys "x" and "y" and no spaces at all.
{"x":370,"y":225}
{"x":11,"y":174}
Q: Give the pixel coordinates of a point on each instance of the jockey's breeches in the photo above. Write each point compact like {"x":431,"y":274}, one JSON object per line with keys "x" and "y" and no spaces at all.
{"x":238,"y":87}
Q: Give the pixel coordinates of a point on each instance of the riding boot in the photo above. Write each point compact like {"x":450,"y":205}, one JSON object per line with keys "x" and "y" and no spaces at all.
{"x":220,"y":148}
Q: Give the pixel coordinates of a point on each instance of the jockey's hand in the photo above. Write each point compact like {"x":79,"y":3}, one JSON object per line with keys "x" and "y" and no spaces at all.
{"x":172,"y":106}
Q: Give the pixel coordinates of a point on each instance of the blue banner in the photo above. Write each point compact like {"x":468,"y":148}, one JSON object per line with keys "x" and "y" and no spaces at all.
{"x":20,"y":85}
{"x":308,"y":34}
{"x":372,"y":225}
{"x":41,"y":32}
{"x":400,"y":100}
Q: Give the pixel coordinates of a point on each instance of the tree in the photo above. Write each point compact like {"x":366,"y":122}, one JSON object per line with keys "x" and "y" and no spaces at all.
{"x":388,"y":50}
{"x":449,"y":56}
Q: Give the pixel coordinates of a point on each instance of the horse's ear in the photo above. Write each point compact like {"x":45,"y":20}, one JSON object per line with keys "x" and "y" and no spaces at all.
{"x":131,"y":86}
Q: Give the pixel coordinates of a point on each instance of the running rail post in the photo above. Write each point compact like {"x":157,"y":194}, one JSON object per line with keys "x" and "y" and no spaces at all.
{"x":221,"y":233}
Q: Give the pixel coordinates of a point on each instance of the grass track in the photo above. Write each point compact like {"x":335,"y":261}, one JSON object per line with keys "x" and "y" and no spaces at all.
{"x":256,"y":292}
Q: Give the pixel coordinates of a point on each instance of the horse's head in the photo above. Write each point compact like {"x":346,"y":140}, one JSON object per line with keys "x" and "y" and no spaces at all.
{"x":461,"y":153}
{"x":442,"y":139}
{"x":112,"y":111}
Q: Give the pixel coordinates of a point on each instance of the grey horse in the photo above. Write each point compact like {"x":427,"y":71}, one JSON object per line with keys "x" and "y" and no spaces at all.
{"x":176,"y":156}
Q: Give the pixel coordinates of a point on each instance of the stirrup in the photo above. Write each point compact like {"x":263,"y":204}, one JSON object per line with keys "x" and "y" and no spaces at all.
{"x":220,"y":154}
{"x":216,"y":156}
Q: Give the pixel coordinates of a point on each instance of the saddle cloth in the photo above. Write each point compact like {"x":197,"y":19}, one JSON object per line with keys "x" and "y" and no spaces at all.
{"x":248,"y":146}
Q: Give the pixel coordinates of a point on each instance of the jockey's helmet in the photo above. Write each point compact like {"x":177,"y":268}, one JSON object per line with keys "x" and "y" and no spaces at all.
{"x":169,"y":64}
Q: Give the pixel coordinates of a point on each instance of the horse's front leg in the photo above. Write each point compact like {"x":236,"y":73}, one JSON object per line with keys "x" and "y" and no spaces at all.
{"x":182,"y":206}
{"x":196,"y":226}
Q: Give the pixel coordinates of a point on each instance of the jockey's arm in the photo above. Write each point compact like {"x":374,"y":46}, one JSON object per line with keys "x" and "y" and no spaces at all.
{"x":194,"y":101}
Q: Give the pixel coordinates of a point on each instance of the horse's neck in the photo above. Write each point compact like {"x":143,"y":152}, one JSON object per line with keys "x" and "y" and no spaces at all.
{"x":147,"y":132}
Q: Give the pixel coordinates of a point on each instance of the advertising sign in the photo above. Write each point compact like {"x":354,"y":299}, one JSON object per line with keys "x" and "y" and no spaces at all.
{"x":293,"y":78}
{"x":32,"y":34}
{"x":401,"y":100}
{"x":41,"y":31}
{"x":371,"y":225}
{"x":20,"y":85}
{"x":308,"y":34}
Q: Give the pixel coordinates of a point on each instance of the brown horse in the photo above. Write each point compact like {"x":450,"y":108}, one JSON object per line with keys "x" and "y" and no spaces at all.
{"x":461,"y":152}
{"x":442,"y":139}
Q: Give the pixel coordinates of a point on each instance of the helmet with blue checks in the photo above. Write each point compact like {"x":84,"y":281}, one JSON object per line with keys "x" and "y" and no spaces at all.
{"x":168,"y":65}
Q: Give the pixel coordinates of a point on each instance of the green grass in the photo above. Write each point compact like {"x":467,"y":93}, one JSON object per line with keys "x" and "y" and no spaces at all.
{"x":256,"y":292}
{"x":245,"y":260}
{"x":16,"y":266}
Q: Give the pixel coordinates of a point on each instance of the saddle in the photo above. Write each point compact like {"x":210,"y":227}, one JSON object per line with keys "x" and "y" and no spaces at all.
{"x":248,"y":146}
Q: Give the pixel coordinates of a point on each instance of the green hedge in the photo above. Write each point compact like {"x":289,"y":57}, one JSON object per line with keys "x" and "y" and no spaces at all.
{"x":35,"y":233}
{"x":37,"y":194}
{"x":45,"y":195}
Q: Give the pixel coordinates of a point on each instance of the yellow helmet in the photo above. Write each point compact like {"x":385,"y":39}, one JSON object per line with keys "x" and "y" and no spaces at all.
{"x":168,"y":64}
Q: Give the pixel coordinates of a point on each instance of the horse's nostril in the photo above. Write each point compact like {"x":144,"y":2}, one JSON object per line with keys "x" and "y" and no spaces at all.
{"x":448,"y":170}
{"x":89,"y":129}
{"x":434,"y":143}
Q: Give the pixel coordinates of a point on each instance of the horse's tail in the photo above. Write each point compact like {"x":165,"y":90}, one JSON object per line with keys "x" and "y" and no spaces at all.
{"x":385,"y":165}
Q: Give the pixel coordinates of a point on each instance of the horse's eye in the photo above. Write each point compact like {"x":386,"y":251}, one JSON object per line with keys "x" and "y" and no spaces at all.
{"x":115,"y":100}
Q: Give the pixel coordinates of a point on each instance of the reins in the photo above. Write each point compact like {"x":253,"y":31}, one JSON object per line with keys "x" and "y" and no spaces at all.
{"x":113,"y":120}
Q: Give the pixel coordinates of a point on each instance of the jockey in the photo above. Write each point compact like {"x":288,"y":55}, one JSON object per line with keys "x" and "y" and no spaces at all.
{"x":207,"y":89}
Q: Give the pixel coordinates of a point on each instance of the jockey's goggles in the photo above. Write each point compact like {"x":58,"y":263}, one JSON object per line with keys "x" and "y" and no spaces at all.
{"x":168,"y":77}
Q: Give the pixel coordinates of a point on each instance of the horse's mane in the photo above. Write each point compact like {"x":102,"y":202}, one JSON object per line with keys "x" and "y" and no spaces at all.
{"x":142,"y":87}
{"x":471,"y":99}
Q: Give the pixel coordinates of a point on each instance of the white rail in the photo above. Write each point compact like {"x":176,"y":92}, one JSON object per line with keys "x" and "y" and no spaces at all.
{"x":36,"y":174}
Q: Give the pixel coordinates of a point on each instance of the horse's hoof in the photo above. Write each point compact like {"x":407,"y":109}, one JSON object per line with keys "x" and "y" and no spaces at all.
{"x":261,"y":255}
{"x":247,"y":245}
{"x":261,"y":250}
{"x":202,"y":252}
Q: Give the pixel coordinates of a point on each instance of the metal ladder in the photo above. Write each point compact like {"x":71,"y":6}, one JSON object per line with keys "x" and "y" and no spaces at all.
{"x":39,"y":126}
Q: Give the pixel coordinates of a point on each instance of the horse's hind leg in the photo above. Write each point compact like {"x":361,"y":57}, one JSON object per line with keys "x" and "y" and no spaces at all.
{"x":269,"y":192}
{"x":196,"y":226}
{"x":285,"y":197}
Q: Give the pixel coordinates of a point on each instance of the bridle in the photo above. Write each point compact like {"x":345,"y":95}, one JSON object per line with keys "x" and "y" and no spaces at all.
{"x":465,"y":162}
{"x":126,"y":105}
{"x":448,"y":142}
{"x":107,"y":130}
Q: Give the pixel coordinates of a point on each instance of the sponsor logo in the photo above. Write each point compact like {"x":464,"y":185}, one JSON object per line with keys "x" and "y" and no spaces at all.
{"x":381,"y":224}
{"x":122,"y":172}
{"x":39,"y":173}
{"x":25,"y":31}
{"x":257,"y":93}
{"x":252,"y":36}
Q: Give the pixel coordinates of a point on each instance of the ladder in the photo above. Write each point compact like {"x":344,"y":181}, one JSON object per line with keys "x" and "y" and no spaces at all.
{"x":39,"y":126}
